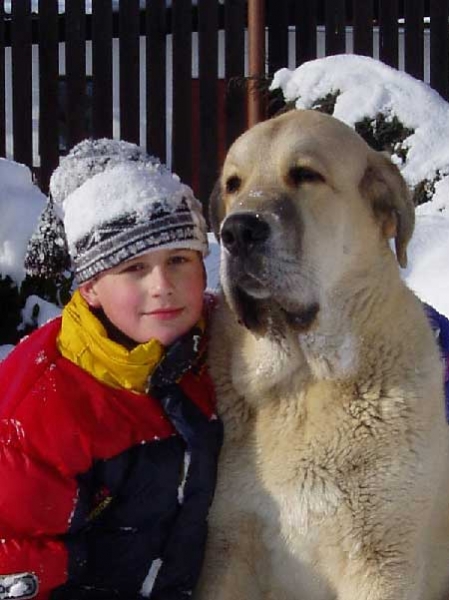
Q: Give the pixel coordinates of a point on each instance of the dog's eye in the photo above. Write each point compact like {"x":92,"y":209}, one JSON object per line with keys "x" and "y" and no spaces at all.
{"x":299,"y":175}
{"x":233,"y":184}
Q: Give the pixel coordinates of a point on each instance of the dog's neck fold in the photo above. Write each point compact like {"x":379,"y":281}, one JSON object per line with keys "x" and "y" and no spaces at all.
{"x":349,"y":333}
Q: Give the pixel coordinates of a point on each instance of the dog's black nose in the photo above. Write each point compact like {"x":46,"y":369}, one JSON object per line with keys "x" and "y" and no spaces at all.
{"x":244,"y":231}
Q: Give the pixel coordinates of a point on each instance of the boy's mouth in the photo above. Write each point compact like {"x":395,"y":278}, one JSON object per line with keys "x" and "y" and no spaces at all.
{"x":165,"y":313}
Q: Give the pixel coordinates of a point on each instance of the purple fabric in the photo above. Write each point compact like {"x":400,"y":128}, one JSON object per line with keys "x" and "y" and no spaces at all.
{"x":440,"y":324}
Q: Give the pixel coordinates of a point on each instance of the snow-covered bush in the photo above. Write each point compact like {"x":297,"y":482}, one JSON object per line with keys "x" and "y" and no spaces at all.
{"x":390,"y":109}
{"x":21,"y":205}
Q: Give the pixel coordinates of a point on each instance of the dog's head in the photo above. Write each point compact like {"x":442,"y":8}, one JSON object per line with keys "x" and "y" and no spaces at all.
{"x":302,"y":202}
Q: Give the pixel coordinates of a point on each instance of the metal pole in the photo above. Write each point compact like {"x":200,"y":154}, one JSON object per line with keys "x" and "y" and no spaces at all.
{"x":256,"y":60}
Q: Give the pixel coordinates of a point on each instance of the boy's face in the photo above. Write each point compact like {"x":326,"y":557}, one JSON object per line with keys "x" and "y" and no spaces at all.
{"x":156,"y":295}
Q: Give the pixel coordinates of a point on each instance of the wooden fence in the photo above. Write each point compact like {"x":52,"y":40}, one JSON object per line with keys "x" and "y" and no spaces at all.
{"x":206,"y":112}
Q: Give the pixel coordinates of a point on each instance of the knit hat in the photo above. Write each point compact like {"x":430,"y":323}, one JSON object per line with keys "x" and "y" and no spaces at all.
{"x":116,"y":202}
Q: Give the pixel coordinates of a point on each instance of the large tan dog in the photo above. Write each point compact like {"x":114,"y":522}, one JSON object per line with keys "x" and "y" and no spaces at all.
{"x":334,"y":477}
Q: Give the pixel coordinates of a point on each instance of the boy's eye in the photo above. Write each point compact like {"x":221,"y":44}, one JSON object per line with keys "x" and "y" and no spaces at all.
{"x":134,"y":268}
{"x":178,"y":259}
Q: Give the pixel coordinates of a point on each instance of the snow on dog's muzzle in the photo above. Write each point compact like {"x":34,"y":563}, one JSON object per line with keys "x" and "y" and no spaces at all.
{"x":18,"y":585}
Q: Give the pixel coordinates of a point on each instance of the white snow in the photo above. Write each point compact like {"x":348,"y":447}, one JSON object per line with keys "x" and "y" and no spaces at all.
{"x":91,"y":157}
{"x":21,"y":203}
{"x":124,"y":189}
{"x":367,"y":87}
{"x":212,"y":262}
{"x":47,"y":310}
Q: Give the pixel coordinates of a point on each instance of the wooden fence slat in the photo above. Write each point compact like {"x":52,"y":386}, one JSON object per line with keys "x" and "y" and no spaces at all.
{"x":208,"y":97}
{"x":129,"y":65}
{"x":156,"y":59}
{"x":389,"y":32}
{"x":2,"y":80}
{"x":439,"y":46}
{"x":306,"y":21}
{"x":22,"y":81}
{"x":414,"y":37}
{"x":235,"y":103}
{"x":277,"y":19}
{"x":335,"y":19}
{"x":48,"y":90}
{"x":182,"y":89}
{"x":102,"y":68}
{"x":363,"y":27}
{"x":75,"y":55}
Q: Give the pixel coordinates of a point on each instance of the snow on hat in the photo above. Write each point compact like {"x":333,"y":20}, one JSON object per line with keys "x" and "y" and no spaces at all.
{"x":135,"y":206}
{"x":128,"y":210}
{"x":90,"y":157}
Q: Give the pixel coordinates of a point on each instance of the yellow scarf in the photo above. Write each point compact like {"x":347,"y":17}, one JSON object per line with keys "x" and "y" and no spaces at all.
{"x":84,"y":341}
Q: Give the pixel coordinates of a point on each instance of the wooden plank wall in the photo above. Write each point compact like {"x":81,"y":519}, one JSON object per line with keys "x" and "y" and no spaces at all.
{"x":22,"y":81}
{"x":207,"y":113}
{"x":48,"y":88}
{"x":102,"y":69}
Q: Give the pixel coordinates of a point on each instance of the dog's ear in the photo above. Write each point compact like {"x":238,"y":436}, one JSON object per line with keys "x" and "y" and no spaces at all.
{"x":391,"y":200}
{"x":216,"y":209}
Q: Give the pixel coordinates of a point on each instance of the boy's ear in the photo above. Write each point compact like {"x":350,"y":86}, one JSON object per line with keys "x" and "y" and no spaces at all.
{"x":88,"y":292}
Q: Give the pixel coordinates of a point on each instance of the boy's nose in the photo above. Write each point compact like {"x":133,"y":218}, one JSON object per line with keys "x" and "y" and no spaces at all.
{"x":161,"y":283}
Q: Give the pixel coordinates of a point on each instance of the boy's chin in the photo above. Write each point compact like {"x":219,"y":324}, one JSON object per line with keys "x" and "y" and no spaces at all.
{"x":168,"y":336}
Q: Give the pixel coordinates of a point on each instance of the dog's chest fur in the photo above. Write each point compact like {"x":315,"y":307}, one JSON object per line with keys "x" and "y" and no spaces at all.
{"x":313,"y":478}
{"x":310,"y":465}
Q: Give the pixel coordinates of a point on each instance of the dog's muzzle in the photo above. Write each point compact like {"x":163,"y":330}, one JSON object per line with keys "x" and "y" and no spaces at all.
{"x":244,"y":232}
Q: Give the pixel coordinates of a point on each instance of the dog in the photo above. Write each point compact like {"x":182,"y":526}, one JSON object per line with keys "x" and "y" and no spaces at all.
{"x":334,"y":474}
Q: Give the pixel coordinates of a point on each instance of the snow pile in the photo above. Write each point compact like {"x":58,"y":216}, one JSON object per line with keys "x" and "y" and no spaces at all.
{"x":21,"y":203}
{"x":368,"y":87}
{"x":212,"y":262}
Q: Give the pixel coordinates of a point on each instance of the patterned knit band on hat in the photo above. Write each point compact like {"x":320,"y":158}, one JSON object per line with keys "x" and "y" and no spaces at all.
{"x":128,"y":210}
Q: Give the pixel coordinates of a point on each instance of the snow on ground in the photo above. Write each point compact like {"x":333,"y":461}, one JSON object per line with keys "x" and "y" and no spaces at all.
{"x":367,"y":87}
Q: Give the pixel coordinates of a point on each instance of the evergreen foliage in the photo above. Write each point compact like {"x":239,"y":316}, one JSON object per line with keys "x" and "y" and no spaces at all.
{"x":47,"y":254}
{"x":48,"y":276}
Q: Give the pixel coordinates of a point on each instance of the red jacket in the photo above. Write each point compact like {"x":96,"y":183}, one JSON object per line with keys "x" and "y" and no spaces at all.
{"x":56,"y":422}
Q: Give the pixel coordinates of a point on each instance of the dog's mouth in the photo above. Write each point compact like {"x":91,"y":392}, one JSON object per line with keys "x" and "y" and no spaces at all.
{"x":262,"y":305}
{"x":262,"y":314}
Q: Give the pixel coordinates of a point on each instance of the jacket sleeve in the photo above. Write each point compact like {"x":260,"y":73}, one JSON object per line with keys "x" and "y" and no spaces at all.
{"x":36,"y":503}
{"x":440,"y":325}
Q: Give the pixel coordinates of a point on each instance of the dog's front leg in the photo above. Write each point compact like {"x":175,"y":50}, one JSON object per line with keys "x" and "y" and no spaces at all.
{"x":232,"y":562}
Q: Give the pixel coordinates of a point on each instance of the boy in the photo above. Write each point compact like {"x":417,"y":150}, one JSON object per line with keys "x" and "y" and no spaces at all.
{"x":108,"y":436}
